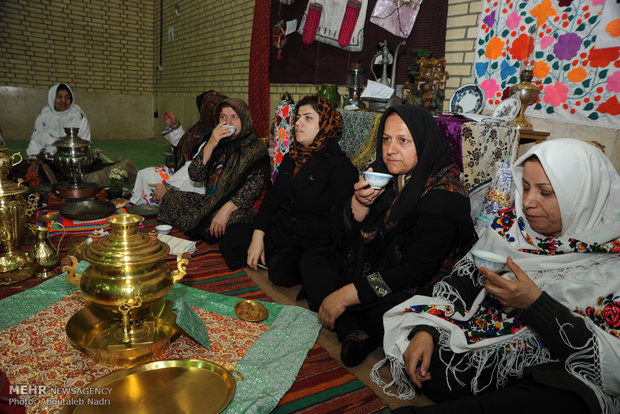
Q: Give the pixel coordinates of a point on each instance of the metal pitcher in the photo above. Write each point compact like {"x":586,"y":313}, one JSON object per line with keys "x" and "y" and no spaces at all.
{"x":43,"y":252}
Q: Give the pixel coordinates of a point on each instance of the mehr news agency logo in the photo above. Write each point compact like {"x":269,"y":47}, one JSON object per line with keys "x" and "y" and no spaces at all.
{"x":30,"y":395}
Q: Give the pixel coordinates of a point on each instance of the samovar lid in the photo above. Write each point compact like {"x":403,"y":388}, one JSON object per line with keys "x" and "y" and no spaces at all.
{"x":124,"y":246}
{"x":72,"y":140}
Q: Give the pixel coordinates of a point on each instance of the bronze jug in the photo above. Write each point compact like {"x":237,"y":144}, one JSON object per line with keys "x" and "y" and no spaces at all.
{"x":43,"y":252}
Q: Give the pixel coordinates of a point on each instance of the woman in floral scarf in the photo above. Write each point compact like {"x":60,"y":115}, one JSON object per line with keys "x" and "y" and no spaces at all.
{"x":549,"y":338}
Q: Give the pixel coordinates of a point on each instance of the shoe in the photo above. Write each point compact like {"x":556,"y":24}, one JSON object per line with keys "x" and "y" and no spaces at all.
{"x":356,"y":346}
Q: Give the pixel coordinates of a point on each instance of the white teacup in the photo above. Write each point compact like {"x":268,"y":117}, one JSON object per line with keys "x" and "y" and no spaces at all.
{"x":492,"y":261}
{"x":377,"y":180}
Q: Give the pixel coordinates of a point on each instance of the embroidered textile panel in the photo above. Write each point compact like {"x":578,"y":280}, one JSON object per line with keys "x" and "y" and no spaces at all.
{"x":575,"y":51}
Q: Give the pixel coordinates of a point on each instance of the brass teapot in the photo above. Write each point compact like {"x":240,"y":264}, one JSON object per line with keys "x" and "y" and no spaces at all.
{"x":43,"y":252}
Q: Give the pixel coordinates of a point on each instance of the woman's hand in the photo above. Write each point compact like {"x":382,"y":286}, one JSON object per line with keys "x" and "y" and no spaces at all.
{"x":170,"y":119}
{"x":159,"y":192}
{"x":218,"y":224}
{"x":520,"y":293}
{"x":363,"y":197}
{"x":256,"y":250}
{"x":417,"y":357}
{"x":336,"y":303}
{"x":218,"y":133}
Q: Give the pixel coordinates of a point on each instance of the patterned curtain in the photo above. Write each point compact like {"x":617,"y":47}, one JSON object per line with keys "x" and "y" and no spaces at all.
{"x":575,"y":51}
{"x":258,"y":87}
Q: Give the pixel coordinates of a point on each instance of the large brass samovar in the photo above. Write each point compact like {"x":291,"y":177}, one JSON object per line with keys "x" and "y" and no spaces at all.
{"x":125,"y":282}
{"x":14,"y":265}
{"x":72,"y":157}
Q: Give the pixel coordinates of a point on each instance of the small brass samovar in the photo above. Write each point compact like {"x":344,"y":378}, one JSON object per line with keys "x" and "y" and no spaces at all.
{"x":126,"y":282}
{"x":14,"y":265}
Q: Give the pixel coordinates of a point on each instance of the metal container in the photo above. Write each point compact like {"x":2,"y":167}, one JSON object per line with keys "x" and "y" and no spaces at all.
{"x":13,"y":212}
{"x":72,"y":156}
{"x":126,"y":276}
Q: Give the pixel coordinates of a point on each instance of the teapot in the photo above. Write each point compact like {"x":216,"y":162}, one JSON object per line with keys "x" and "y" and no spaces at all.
{"x":43,"y":252}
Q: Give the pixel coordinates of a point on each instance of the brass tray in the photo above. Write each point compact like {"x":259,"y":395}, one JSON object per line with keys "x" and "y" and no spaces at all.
{"x":87,"y":210}
{"x":16,"y":275}
{"x":95,"y":331}
{"x":251,"y":310}
{"x":173,"y":386}
{"x":144,"y":210}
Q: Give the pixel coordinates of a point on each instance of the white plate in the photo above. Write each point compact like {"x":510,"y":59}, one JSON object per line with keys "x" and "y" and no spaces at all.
{"x":508,"y":109}
{"x":468,"y":99}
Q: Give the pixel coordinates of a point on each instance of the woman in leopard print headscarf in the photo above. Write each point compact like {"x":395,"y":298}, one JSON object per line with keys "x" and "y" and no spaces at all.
{"x":313,"y":177}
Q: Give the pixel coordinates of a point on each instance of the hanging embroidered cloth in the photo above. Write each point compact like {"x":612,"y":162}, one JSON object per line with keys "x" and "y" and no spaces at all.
{"x":577,"y":71}
{"x":339,"y":23}
{"x":396,"y":16}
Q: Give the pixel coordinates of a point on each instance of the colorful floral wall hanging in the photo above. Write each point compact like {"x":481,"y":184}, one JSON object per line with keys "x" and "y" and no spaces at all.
{"x":567,"y":42}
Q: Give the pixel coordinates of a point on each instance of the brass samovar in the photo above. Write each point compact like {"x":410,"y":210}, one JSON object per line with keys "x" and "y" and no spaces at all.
{"x":129,"y":320}
{"x":14,"y":265}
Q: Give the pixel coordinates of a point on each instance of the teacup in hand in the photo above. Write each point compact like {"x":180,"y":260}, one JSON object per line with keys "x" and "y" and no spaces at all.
{"x":377,"y":180}
{"x":492,"y":261}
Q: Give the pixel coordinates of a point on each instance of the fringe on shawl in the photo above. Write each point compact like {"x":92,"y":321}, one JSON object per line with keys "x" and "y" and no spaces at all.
{"x":585,"y":364}
{"x":405,"y":389}
{"x":507,"y":359}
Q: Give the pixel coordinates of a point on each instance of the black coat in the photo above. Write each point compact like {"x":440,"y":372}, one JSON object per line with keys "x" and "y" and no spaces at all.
{"x":296,"y":210}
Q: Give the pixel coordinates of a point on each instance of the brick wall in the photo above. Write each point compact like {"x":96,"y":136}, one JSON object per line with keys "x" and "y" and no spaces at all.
{"x":210,"y":50}
{"x":97,"y":46}
{"x":462,"y":28}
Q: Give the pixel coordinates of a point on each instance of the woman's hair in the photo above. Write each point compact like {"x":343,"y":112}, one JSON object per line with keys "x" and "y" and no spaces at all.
{"x":311,"y":100}
{"x":63,"y":87}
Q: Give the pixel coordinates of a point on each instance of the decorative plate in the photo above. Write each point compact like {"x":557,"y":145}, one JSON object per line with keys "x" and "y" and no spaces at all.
{"x":468,"y":99}
{"x":508,"y":109}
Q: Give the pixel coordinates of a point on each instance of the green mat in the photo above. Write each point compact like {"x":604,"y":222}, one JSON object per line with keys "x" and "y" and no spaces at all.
{"x":143,"y":152}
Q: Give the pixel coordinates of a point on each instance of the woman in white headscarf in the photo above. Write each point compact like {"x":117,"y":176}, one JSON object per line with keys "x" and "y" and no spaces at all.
{"x":61,"y":112}
{"x":549,"y":338}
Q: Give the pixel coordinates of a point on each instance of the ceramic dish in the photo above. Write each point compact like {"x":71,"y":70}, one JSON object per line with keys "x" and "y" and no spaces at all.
{"x":170,"y":386}
{"x":492,"y":261}
{"x":377,"y":180}
{"x":508,"y":109}
{"x":163,"y":228}
{"x":468,"y":99}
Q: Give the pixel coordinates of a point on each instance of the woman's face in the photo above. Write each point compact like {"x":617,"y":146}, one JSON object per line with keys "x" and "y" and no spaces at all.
{"x":63,"y":100}
{"x":540,"y":204}
{"x":306,"y":125}
{"x":399,"y":151}
{"x":228,"y":116}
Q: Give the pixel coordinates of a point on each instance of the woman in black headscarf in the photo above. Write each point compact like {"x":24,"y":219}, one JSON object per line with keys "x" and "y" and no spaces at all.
{"x":390,"y":240}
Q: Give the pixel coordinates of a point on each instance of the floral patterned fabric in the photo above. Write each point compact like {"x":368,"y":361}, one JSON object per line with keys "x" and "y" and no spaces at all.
{"x":485,"y":147}
{"x":574,"y":49}
{"x":282,"y":134}
{"x":504,"y":226}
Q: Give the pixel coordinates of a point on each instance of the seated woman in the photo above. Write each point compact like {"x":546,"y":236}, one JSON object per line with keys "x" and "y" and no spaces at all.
{"x":313,"y":177}
{"x":61,"y":112}
{"x":153,"y":182}
{"x":393,"y":239}
{"x":234,"y":166}
{"x":543,"y":338}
